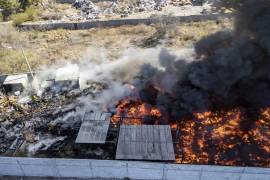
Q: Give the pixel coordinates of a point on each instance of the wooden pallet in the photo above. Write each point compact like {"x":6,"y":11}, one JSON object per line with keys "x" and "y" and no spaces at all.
{"x":145,"y":142}
{"x":94,"y":128}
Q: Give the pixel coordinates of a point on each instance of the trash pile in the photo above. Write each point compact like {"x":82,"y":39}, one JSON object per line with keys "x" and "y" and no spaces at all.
{"x":46,"y":123}
{"x":96,"y":10}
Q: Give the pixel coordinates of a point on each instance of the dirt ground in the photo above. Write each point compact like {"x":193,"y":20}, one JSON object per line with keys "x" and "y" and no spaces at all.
{"x":51,"y":47}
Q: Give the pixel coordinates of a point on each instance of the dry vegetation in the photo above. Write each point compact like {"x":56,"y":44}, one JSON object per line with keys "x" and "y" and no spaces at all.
{"x":50,"y":47}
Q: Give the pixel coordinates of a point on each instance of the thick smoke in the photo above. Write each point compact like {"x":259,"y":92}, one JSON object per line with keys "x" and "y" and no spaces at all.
{"x":230,"y":68}
{"x":105,"y":81}
{"x":226,"y":69}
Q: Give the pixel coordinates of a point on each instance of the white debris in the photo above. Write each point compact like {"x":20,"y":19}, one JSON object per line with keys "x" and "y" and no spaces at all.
{"x":44,"y":144}
{"x":88,"y":8}
{"x":16,"y":79}
{"x":24,"y":100}
{"x":92,"y":10}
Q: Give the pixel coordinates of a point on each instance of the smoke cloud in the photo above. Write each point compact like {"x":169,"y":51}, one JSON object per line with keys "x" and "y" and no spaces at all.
{"x":229,"y":68}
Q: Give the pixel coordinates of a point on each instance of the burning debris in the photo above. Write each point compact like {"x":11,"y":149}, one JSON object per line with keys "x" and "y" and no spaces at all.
{"x":215,"y":98}
{"x":221,"y":96}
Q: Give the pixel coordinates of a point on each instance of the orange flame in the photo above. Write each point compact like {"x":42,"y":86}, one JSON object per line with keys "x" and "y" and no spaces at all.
{"x":211,"y":137}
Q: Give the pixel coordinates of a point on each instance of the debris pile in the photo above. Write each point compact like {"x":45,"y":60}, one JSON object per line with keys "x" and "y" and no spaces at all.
{"x":34,"y":123}
{"x":95,"y":10}
{"x":88,"y":8}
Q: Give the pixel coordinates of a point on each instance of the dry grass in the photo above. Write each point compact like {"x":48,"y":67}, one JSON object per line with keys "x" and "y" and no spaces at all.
{"x":50,"y":47}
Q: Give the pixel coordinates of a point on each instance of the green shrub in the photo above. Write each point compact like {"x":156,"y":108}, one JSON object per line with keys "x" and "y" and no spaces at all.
{"x":26,"y":3}
{"x":1,"y":17}
{"x":19,"y":18}
{"x":30,"y":14}
{"x":8,"y":7}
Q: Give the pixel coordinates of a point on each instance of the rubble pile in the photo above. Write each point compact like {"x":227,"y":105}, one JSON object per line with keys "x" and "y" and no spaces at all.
{"x":92,"y":10}
{"x":88,"y":8}
{"x":45,"y":125}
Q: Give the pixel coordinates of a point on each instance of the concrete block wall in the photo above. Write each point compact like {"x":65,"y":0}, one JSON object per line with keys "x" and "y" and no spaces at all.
{"x":114,"y":23}
{"x":86,"y":168}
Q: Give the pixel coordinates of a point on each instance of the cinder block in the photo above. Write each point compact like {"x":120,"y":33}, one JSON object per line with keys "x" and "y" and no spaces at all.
{"x":220,"y":176}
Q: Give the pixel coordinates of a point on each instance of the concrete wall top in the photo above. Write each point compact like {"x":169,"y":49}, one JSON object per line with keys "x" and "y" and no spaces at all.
{"x":87,"y":168}
{"x":42,"y":26}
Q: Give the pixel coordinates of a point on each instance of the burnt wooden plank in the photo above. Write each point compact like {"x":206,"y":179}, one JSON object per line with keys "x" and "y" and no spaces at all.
{"x":89,"y":116}
{"x":169,"y":143}
{"x":97,"y":116}
{"x":163,"y":146}
{"x":94,"y":128}
{"x":145,"y":142}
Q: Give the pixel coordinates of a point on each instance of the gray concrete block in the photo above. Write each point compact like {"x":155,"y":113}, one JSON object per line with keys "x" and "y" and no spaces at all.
{"x":141,"y":170}
{"x":72,"y":162}
{"x":36,"y":161}
{"x":109,"y":169}
{"x":38,"y":167}
{"x":75,"y":171}
{"x":223,"y":169}
{"x":257,"y":170}
{"x":11,"y":170}
{"x":185,"y":167}
{"x":220,"y":176}
{"x":181,"y":175}
{"x":8,"y":160}
{"x":255,"y":177}
{"x":74,"y":168}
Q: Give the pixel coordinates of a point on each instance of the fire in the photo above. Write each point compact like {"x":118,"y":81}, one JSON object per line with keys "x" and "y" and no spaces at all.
{"x":218,"y":138}
{"x":211,"y":137}
{"x":133,"y":112}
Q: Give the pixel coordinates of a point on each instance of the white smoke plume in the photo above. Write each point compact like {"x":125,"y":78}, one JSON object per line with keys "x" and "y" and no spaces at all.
{"x":118,"y":75}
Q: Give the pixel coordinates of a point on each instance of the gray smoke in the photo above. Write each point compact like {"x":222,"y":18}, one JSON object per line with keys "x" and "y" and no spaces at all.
{"x":230,"y":68}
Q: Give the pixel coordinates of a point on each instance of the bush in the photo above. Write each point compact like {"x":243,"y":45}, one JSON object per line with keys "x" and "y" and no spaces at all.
{"x":30,"y":14}
{"x":26,"y":3}
{"x":19,"y":18}
{"x":8,"y":7}
{"x":1,"y":17}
